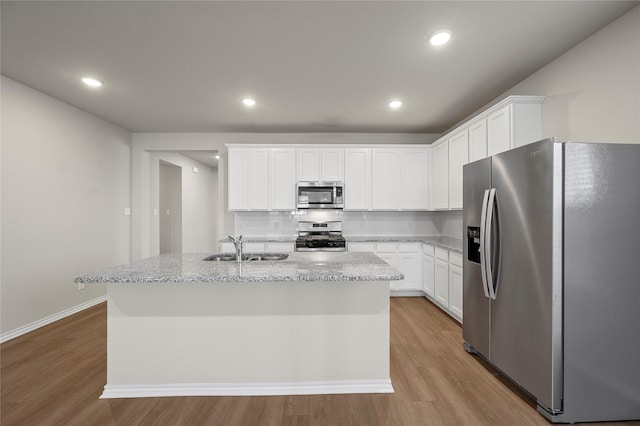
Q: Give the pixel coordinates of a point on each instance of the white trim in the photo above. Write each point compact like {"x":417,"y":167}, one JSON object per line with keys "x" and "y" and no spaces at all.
{"x":406,"y":293}
{"x":51,"y":318}
{"x":248,"y":389}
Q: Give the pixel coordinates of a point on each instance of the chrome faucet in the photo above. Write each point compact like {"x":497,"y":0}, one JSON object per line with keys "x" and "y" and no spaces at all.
{"x":237,"y":243}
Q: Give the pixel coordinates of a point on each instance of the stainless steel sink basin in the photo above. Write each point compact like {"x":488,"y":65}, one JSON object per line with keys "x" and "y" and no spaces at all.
{"x":221,"y":257}
{"x":230,"y":257}
{"x":270,"y":256}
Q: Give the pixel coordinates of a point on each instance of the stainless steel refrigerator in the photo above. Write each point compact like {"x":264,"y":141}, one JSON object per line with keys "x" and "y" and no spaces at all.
{"x":552,"y":275}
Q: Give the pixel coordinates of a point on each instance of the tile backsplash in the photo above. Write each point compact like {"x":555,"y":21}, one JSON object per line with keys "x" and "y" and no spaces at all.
{"x":447,"y":224}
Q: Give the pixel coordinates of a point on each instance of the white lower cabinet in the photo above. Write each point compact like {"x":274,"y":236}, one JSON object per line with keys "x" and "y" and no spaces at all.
{"x":455,"y":286}
{"x":279,"y":247}
{"x":428,"y":271}
{"x":442,"y":283}
{"x":442,"y":278}
{"x":409,"y":263}
{"x":404,"y":256}
{"x":258,"y":247}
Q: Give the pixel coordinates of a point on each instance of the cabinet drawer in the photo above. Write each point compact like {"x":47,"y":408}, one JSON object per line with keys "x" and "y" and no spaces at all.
{"x":408,"y":247}
{"x":253,"y":247}
{"x":227,"y":248}
{"x":386,"y":247}
{"x":361,"y":246}
{"x":279,"y":247}
{"x":455,"y":259}
{"x":427,"y":249}
{"x":442,"y":254}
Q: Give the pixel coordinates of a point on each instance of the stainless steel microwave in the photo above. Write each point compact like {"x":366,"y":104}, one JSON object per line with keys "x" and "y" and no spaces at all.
{"x":320,"y":195}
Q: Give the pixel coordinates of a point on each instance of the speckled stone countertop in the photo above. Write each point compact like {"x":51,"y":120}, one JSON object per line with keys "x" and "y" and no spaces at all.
{"x":444,"y":242}
{"x":285,"y":239}
{"x":310,"y":266}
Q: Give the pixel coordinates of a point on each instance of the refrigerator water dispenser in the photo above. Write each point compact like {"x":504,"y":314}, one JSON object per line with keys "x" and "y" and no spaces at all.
{"x":473,"y":244}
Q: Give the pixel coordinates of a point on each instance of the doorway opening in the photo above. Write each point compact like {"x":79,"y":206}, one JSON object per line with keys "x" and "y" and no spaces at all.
{"x":170,"y":206}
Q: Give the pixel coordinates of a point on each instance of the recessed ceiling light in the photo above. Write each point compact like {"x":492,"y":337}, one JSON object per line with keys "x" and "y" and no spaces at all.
{"x":91,"y":82}
{"x":249,"y":102}
{"x":440,"y":37}
{"x":395,"y":104}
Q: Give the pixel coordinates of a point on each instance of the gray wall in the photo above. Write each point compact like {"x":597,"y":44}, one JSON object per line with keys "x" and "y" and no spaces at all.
{"x":593,"y":90}
{"x":65,"y":185}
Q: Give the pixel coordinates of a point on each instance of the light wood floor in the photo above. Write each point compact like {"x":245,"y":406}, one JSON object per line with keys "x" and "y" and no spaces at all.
{"x":54,"y":376}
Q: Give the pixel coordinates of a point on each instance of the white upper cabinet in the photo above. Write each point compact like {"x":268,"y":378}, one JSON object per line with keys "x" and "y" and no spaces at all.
{"x":282,"y":179}
{"x":458,"y":157}
{"x":441,"y":175}
{"x":308,"y":164}
{"x":357,"y":179}
{"x":332,"y":165}
{"x":385,"y":188}
{"x":414,"y":179}
{"x":320,"y":164}
{"x":248,"y":179}
{"x":238,"y":179}
{"x":478,"y":140}
{"x":513,"y":122}
{"x":261,"y":179}
{"x":499,"y":130}
{"x":517,"y":123}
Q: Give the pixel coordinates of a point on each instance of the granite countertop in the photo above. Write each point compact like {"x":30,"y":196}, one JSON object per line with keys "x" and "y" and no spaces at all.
{"x":310,"y":266}
{"x":281,"y":239}
{"x":444,"y":242}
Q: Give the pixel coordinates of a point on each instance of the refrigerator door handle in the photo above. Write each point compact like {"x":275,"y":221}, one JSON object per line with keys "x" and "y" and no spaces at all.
{"x":483,"y":231}
{"x":487,"y":241}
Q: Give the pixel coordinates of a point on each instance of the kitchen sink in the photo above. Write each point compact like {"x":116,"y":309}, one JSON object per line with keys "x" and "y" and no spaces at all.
{"x":230,"y":257}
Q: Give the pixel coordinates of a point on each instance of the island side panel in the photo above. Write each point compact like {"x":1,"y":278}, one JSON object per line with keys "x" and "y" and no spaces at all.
{"x":213,"y":333}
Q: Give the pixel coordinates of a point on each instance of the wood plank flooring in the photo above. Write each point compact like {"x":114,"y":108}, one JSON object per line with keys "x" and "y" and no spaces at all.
{"x":54,"y":376}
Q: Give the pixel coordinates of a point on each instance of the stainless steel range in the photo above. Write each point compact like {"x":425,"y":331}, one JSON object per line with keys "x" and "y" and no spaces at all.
{"x":320,"y":236}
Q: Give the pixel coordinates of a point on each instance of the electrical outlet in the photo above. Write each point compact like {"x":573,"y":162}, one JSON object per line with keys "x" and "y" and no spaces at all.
{"x":80,"y":286}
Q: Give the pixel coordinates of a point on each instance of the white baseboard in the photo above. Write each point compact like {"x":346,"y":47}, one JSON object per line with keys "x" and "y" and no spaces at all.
{"x":248,"y":389}
{"x":51,"y":318}
{"x":407,"y":293}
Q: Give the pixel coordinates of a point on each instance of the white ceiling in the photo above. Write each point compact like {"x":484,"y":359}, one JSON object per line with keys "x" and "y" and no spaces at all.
{"x":326,"y":66}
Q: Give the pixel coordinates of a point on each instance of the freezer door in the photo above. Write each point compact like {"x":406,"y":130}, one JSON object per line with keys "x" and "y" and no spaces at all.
{"x":602,"y":284}
{"x":526,"y":328}
{"x":475,"y":311}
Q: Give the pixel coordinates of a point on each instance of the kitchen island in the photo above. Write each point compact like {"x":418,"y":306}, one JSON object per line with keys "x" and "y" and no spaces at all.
{"x":314,"y":323}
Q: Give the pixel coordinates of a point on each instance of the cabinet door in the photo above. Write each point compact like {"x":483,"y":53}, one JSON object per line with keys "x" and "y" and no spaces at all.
{"x":391,"y":259}
{"x":428,"y":278}
{"x":259,"y":179}
{"x":442,"y":283}
{"x":308,"y":164}
{"x":253,"y":247}
{"x":441,"y":176}
{"x":499,"y":130}
{"x":413,"y":167}
{"x":386,"y":179}
{"x":282,"y":180}
{"x":455,"y":292}
{"x":357,"y":179}
{"x":332,"y":165}
{"x":458,"y":157}
{"x":278,"y":247}
{"x":410,"y":265}
{"x":226,"y":247}
{"x":361,"y":246}
{"x":478,"y":140}
{"x":238,"y":179}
